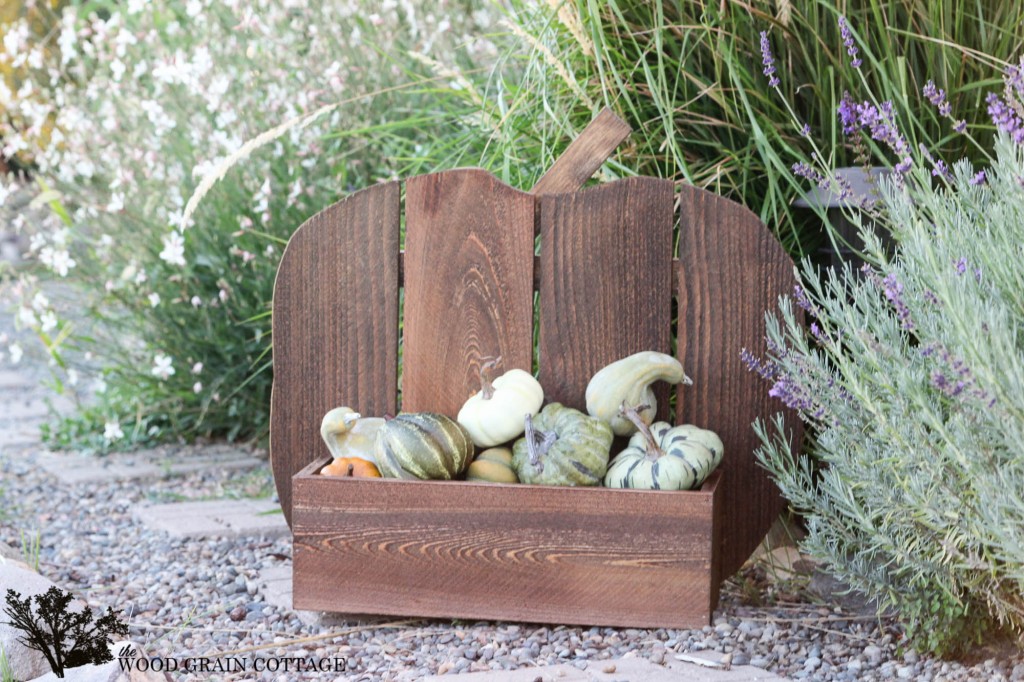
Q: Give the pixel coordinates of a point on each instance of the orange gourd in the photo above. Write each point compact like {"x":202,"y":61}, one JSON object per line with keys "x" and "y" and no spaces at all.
{"x":352,"y":467}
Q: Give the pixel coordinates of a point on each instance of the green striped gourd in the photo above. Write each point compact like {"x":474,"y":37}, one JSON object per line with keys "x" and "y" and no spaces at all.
{"x":562,"y":446}
{"x":423,"y":445}
{"x":665,"y":457}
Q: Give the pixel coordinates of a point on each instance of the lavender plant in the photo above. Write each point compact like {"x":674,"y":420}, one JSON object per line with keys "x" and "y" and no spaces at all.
{"x":911,"y":375}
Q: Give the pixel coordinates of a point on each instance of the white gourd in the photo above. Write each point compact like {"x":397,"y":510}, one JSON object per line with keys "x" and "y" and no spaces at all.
{"x":496,"y":414}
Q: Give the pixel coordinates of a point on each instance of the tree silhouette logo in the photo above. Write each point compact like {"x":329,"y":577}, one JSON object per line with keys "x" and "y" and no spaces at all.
{"x":68,"y":639}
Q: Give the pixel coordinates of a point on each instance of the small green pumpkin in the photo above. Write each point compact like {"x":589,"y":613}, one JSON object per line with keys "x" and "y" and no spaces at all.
{"x":562,"y":446}
{"x":423,"y":445}
{"x":663,"y":457}
{"x":493,"y":465}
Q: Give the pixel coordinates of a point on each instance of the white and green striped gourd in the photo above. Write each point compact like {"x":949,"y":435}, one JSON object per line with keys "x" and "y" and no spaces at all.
{"x":664,"y":457}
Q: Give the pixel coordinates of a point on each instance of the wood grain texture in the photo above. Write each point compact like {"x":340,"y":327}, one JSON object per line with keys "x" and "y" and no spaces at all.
{"x":468,"y":285}
{"x":584,"y":155}
{"x":542,"y":554}
{"x":731,"y":270}
{"x":335,"y":325}
{"x":606,"y":282}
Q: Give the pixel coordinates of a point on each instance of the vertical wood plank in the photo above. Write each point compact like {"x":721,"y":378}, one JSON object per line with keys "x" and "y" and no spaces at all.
{"x":606,"y":281}
{"x":731,"y":270}
{"x":335,"y":325}
{"x":468,"y":285}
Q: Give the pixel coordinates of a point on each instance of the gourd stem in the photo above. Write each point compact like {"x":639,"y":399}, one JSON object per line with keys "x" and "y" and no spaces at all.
{"x":486,"y":387}
{"x":538,"y":450}
{"x":351,"y":469}
{"x":654,"y":452}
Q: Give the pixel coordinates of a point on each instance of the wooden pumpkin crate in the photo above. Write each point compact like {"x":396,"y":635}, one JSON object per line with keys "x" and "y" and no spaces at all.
{"x":608,"y":286}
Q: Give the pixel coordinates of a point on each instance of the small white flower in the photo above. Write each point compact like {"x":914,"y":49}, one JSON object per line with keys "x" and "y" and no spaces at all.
{"x":99,"y":385}
{"x":116,"y":202}
{"x":40,"y":302}
{"x":16,"y":353}
{"x":162,"y":368}
{"x":58,"y":260}
{"x":112,"y":431}
{"x":72,"y":377}
{"x":154,"y":299}
{"x":26,"y":317}
{"x":117,"y":69}
{"x":174,"y":249}
{"x":48,"y":320}
{"x":197,"y":368}
{"x":223,"y":295}
{"x":136,"y":6}
{"x":196,"y":301}
{"x":197,"y":387}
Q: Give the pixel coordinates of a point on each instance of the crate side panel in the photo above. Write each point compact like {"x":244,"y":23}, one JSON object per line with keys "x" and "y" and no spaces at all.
{"x":731,"y":270}
{"x":606,"y":282}
{"x":335,"y":325}
{"x":468,"y":285}
{"x":526,"y":553}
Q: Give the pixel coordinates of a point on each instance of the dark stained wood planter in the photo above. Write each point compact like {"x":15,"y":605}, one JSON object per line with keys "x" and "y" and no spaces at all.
{"x":505,"y":552}
{"x":479,"y":259}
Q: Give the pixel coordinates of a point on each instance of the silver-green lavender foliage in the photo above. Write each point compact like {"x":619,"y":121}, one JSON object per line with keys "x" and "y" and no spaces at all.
{"x":912,"y":377}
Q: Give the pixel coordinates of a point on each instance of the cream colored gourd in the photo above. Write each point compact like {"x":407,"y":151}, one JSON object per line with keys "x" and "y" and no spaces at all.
{"x":629,"y":381}
{"x":497,"y":413}
{"x":348,"y":434}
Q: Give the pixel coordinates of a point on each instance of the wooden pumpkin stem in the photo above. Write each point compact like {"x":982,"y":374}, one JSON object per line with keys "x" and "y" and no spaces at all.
{"x":538,"y":443}
{"x":486,"y":387}
{"x":654,"y":451}
{"x":351,"y":471}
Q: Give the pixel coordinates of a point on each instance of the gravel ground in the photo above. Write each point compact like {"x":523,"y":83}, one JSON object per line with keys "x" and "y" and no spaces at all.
{"x":198,"y":597}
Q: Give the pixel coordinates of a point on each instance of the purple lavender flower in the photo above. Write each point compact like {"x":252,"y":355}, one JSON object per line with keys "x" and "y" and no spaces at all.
{"x":847,"y":111}
{"x":800,"y":296}
{"x":768,"y":60}
{"x":1005,"y":118}
{"x":941,"y":170}
{"x":765,"y":369}
{"x":979,"y":178}
{"x":960,"y":265}
{"x":960,"y":126}
{"x":806,"y":130}
{"x":893,"y":289}
{"x":937,"y":96}
{"x":847,"y":36}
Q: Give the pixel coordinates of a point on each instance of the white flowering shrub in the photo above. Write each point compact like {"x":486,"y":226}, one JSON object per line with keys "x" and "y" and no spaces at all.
{"x":911,"y":376}
{"x":146,"y":98}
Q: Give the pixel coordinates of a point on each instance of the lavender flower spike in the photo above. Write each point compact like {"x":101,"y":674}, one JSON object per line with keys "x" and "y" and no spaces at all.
{"x":847,"y":36}
{"x":768,"y":60}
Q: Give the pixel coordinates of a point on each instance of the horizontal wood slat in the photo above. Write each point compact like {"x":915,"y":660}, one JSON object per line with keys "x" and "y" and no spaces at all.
{"x":509,"y":552}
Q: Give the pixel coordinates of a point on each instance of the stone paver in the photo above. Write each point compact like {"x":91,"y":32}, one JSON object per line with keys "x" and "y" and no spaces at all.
{"x":24,"y":432}
{"x":227,"y":518}
{"x":10,"y":378}
{"x":618,"y":670}
{"x":74,"y":468}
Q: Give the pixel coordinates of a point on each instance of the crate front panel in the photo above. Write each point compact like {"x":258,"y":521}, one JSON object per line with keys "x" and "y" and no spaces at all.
{"x":512,"y":552}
